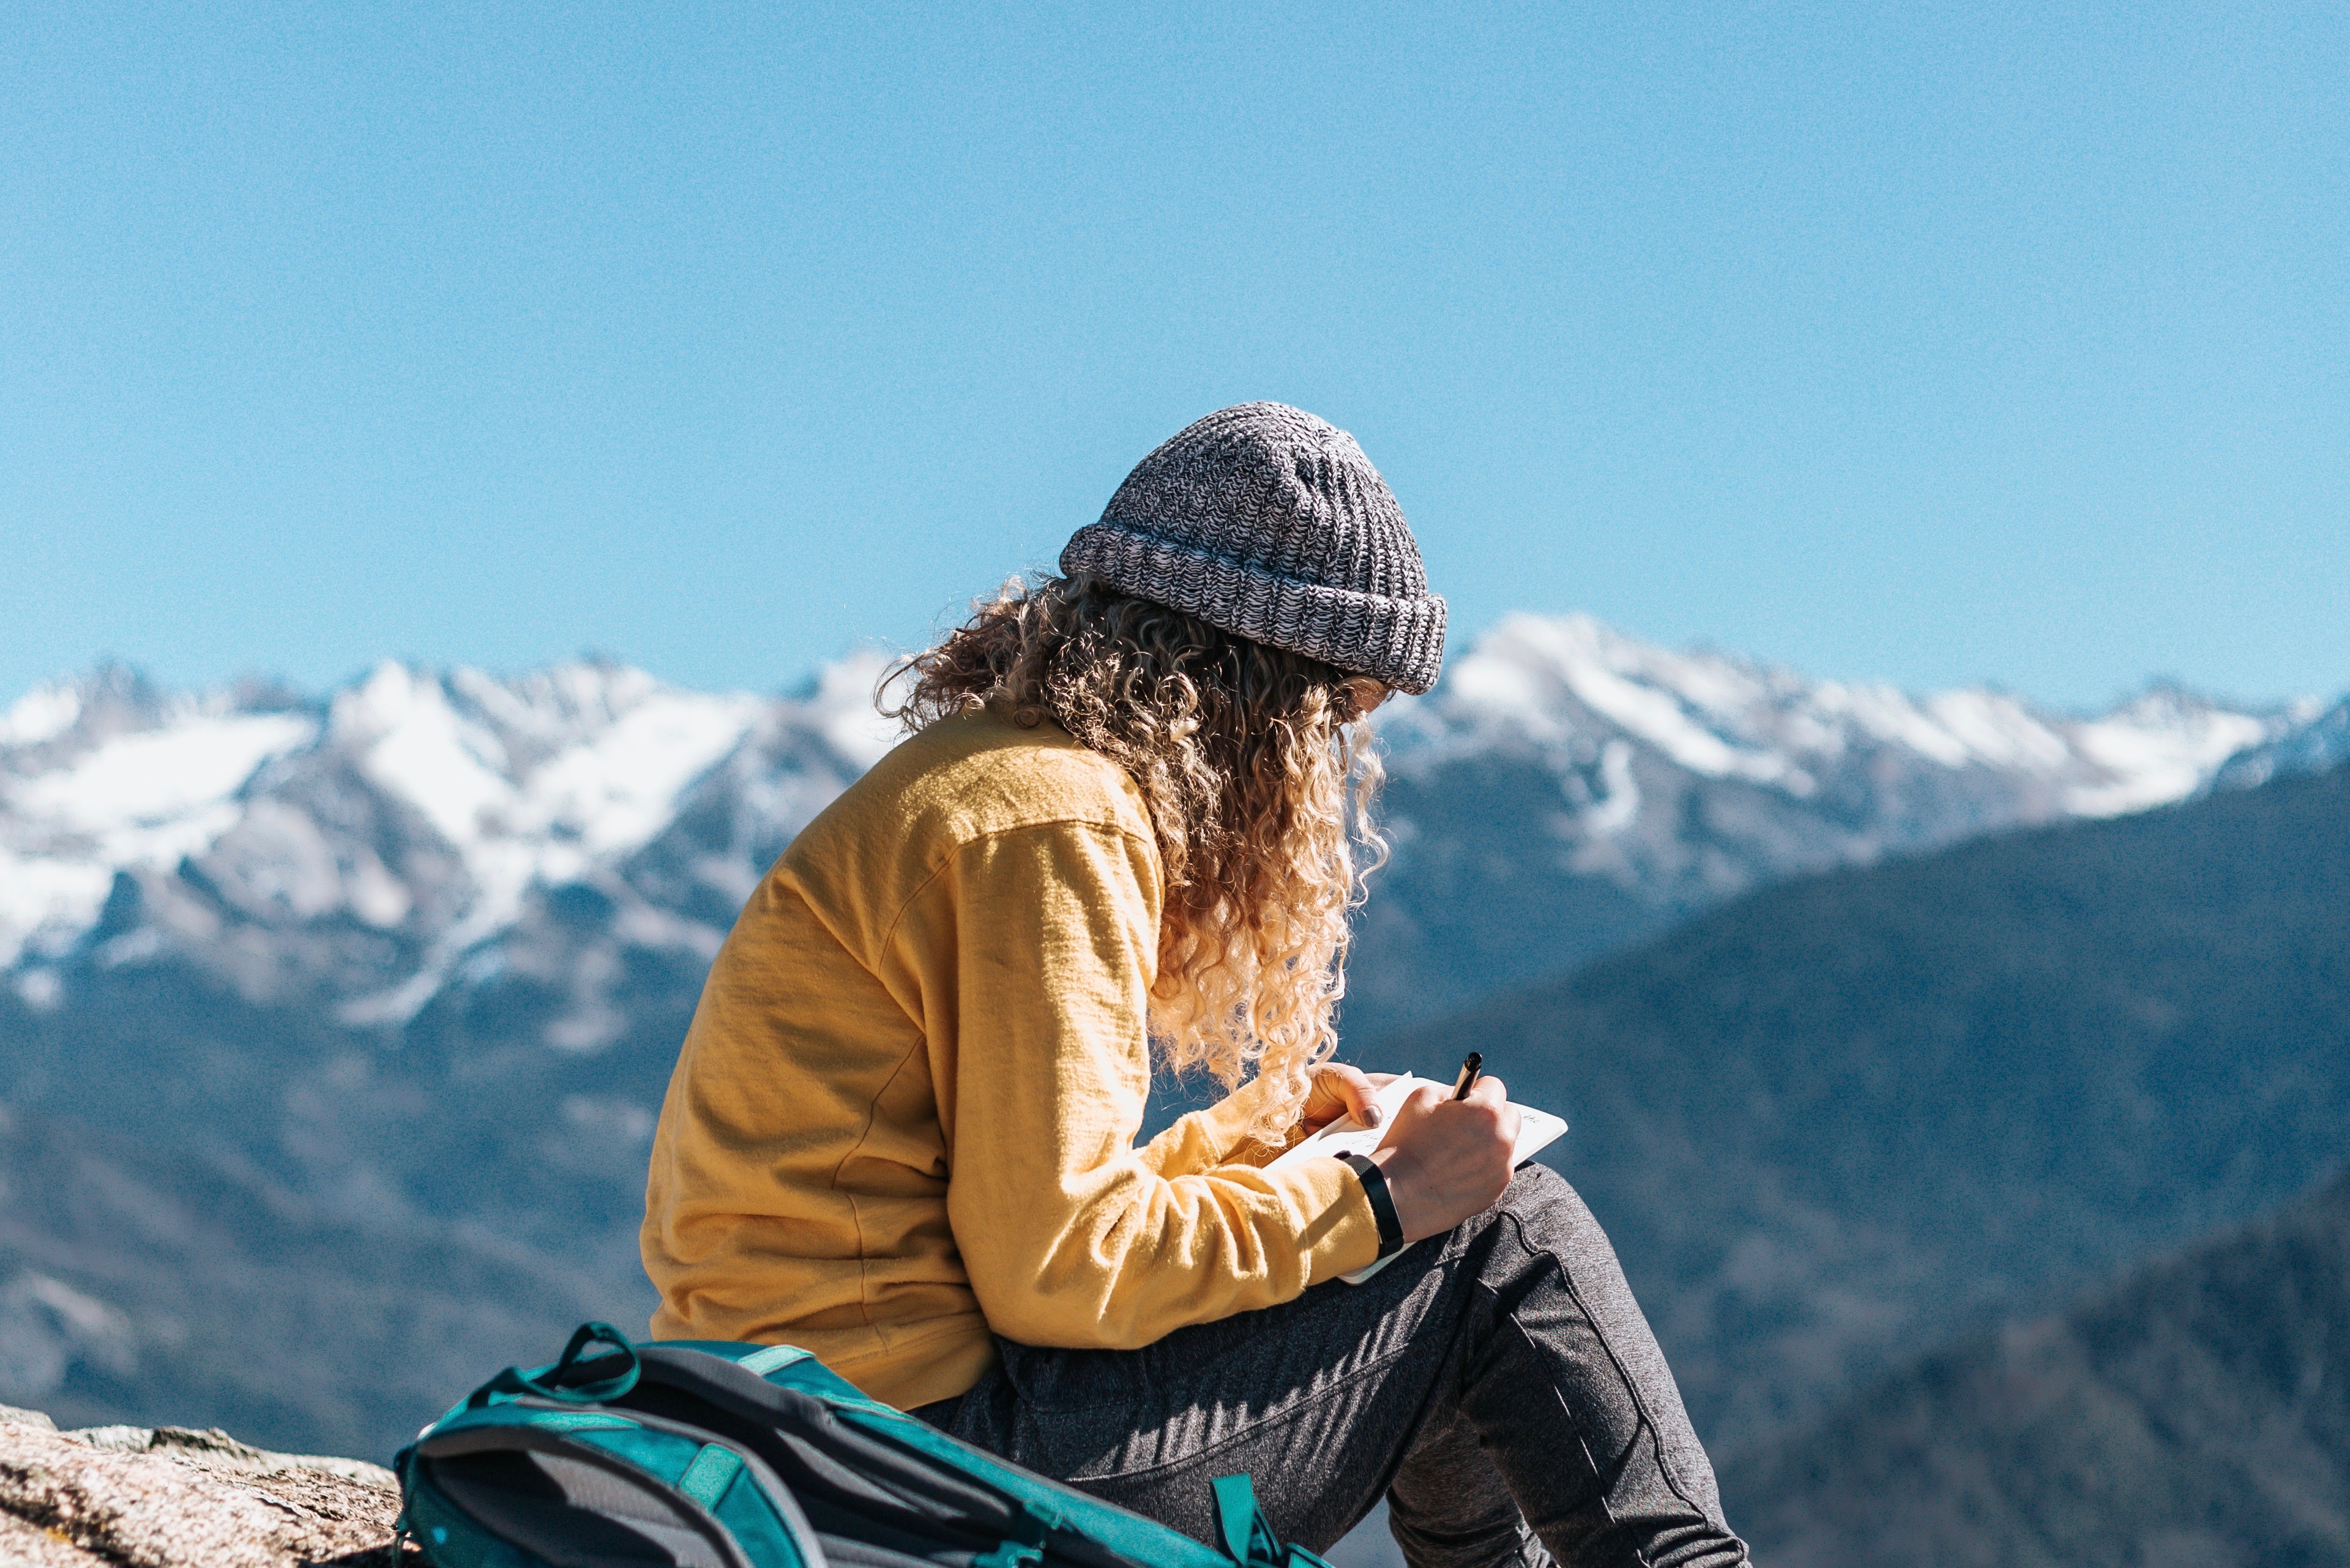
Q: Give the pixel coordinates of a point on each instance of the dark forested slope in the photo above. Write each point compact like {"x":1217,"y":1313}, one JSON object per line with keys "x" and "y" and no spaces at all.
{"x":1840,"y":1118}
{"x":159,"y":1285}
{"x":2196,"y":1416}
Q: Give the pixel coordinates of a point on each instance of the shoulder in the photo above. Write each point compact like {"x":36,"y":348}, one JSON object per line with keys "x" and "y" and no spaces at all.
{"x":979,"y":774}
{"x":979,"y":777}
{"x":975,"y":786}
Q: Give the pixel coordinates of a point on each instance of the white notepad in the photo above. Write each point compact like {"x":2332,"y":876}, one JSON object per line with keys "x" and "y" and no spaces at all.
{"x":1537,"y":1130}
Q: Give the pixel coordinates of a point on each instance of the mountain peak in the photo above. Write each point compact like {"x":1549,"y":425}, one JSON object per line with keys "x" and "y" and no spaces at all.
{"x":1552,"y":679}
{"x":407,"y":829}
{"x":112,"y":699}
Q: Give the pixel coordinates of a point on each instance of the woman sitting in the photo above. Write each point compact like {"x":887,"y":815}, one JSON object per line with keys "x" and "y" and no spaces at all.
{"x":1128,"y":818}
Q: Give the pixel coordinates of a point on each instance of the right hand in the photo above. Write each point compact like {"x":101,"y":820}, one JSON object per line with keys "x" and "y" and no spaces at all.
{"x":1446,"y":1159}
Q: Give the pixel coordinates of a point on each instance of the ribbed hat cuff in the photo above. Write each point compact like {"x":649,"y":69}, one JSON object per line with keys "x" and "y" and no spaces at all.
{"x":1397,"y":641}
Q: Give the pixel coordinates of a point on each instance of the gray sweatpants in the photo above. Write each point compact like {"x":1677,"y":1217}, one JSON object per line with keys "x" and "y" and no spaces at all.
{"x":1498,"y":1383}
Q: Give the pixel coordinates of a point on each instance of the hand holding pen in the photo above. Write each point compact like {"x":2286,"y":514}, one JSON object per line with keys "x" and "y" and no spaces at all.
{"x":1448,"y":1157}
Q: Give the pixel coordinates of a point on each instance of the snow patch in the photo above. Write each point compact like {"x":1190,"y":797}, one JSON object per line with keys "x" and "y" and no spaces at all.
{"x":615,"y":793}
{"x":1615,"y":809}
{"x":844,"y":710}
{"x":134,"y":784}
{"x":1655,"y":717}
{"x":421,"y":751}
{"x":137,"y":802}
{"x":41,"y":987}
{"x":41,"y":714}
{"x":47,"y":901}
{"x":1996,"y":730}
{"x":2158,"y":757}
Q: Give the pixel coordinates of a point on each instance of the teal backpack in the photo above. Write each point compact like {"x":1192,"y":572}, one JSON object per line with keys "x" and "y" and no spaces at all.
{"x":713,"y":1455}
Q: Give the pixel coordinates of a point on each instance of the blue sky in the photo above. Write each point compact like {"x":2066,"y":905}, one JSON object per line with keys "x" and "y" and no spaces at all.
{"x":1920,"y":343}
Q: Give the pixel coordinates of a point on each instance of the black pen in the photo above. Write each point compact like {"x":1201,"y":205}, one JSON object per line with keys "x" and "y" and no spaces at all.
{"x":1472,"y":1067}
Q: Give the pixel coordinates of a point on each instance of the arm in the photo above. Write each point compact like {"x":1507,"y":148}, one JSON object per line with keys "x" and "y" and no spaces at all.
{"x":1204,"y":1140}
{"x":1070,"y":1237}
{"x":1219,"y":1133}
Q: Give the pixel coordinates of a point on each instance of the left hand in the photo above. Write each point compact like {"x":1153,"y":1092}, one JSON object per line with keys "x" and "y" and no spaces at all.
{"x":1342,"y":1091}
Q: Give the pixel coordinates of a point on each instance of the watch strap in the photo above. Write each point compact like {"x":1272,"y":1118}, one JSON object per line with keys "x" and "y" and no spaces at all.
{"x":1383,"y":1208}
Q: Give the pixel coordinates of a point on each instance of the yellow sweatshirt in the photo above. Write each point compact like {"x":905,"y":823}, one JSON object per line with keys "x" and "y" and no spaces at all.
{"x":904,"y":1114}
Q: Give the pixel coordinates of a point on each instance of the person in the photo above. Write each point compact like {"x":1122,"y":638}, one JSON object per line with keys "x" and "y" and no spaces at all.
{"x":1129,"y":823}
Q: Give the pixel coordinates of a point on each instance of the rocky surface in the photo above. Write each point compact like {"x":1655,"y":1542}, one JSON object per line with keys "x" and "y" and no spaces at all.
{"x":172,"y":1497}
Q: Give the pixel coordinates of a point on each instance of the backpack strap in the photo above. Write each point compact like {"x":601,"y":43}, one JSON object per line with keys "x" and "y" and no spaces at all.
{"x":1024,"y":1547}
{"x":1248,"y":1536}
{"x":570,"y":1380}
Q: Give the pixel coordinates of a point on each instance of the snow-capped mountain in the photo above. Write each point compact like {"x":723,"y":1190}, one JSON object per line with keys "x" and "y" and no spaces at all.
{"x":367,"y":844}
{"x":2312,"y":746}
{"x":415,"y":835}
{"x":1571,"y":685}
{"x":1567,"y":788}
{"x":1646,"y":743}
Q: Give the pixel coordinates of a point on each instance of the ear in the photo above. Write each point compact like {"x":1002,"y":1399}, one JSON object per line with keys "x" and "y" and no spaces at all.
{"x":1361,"y":694}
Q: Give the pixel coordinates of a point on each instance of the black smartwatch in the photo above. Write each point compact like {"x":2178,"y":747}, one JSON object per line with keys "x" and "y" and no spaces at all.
{"x":1383,"y":1210}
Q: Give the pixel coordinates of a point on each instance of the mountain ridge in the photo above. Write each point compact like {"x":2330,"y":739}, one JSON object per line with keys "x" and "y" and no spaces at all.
{"x":410,"y":832}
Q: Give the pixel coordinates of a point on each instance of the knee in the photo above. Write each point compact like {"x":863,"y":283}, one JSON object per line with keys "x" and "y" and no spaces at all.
{"x":1534,"y":1185}
{"x":1548,"y":1213}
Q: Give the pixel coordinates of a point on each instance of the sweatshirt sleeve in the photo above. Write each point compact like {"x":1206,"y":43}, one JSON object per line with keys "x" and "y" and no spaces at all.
{"x":1216,"y":1135}
{"x":1037,"y":947}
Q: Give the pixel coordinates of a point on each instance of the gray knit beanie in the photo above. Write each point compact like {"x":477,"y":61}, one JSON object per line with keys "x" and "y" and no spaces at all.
{"x":1272,"y":525}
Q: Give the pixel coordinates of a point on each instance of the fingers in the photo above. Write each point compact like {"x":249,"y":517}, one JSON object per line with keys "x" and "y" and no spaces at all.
{"x":1355,"y":1089}
{"x":1493,"y":1097}
{"x":1416,"y":1113}
{"x":1412,"y":1112}
{"x":1341,"y":1090}
{"x":1509,"y":1130}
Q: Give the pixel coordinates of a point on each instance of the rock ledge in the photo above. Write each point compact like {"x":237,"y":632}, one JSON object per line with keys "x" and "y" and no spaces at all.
{"x":172,"y":1497}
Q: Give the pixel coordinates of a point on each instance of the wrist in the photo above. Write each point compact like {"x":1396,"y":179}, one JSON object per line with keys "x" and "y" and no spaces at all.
{"x":1368,"y":1171}
{"x":1402,"y":1173}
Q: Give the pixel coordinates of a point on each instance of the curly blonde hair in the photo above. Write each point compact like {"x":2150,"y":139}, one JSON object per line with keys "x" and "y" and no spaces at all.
{"x":1259,"y":793}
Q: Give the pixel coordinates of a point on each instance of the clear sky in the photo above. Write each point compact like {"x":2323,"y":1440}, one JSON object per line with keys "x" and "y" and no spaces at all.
{"x":1913,"y":342}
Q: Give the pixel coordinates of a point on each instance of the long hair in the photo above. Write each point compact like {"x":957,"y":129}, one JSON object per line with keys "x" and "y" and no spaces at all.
{"x":1258,"y":794}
